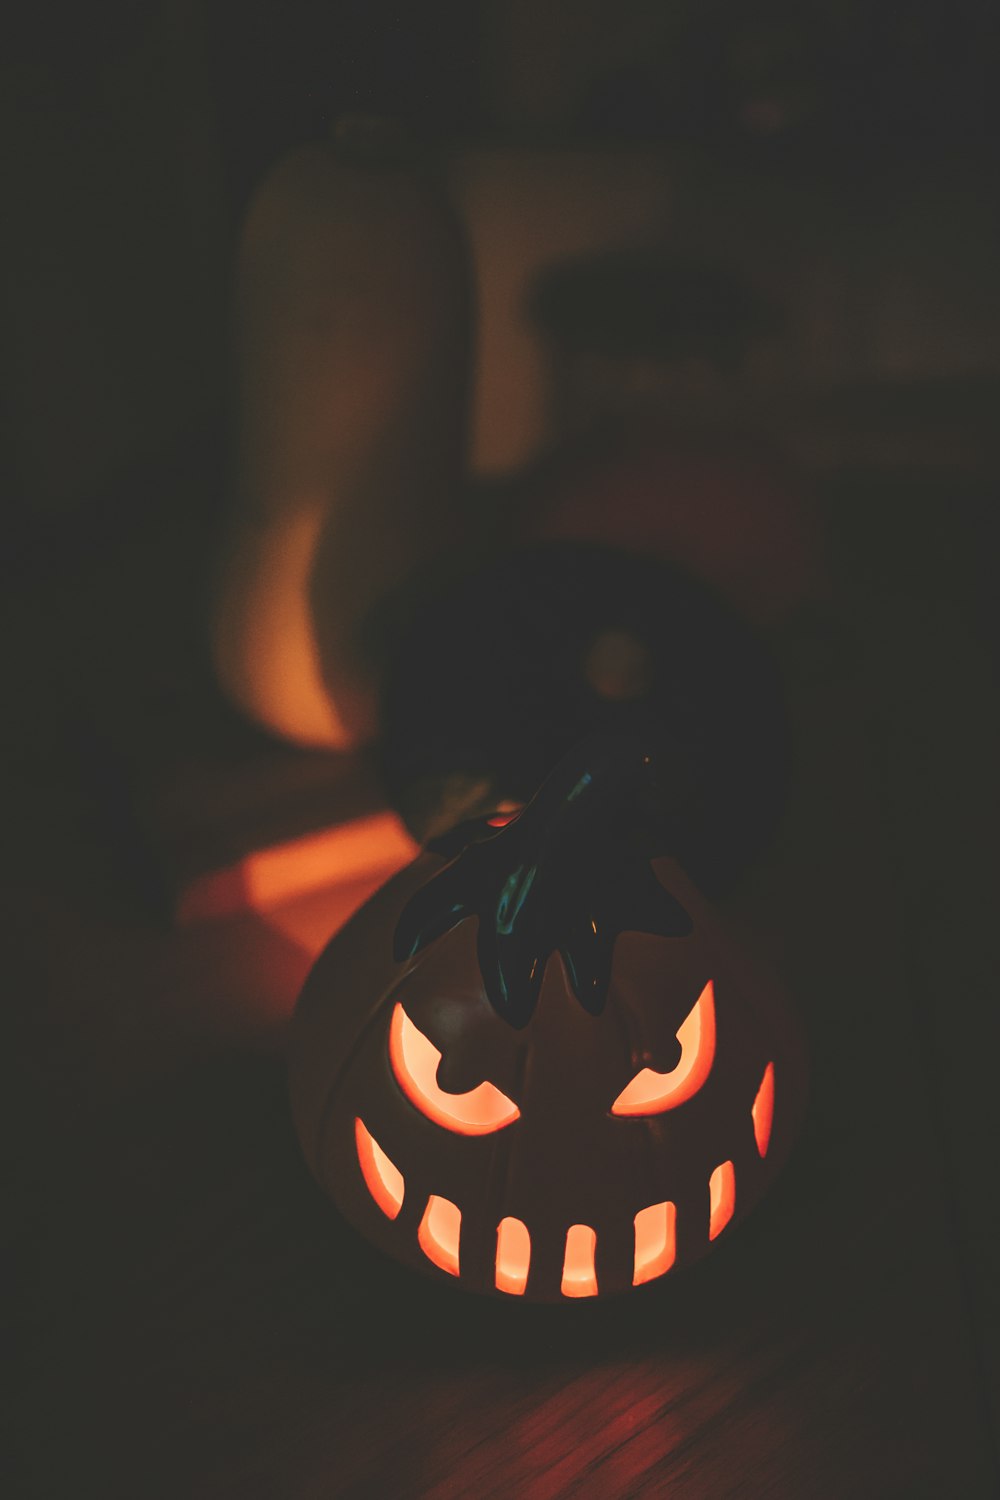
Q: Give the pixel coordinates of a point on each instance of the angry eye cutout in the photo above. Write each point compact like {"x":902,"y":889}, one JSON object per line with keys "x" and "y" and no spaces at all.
{"x":415,"y":1061}
{"x":650,"y":1093}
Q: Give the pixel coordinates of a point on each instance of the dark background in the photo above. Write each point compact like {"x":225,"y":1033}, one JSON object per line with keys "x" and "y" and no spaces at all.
{"x":172,"y":1327}
{"x":133,"y":136}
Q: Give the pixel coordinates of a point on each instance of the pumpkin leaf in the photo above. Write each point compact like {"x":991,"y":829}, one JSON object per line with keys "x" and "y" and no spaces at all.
{"x":567,"y":875}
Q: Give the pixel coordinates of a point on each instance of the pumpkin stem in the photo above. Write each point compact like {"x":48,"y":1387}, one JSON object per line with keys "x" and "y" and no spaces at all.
{"x":567,"y":874}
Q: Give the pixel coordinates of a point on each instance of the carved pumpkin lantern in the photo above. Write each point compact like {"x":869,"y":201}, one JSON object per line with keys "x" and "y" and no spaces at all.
{"x":535,"y":1062}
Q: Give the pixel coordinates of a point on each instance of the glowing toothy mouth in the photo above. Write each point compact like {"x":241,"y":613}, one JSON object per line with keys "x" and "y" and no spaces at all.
{"x":440,"y":1231}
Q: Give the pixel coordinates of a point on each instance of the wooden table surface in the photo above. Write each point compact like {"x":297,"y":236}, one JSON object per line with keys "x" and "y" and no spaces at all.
{"x":192,"y":1319}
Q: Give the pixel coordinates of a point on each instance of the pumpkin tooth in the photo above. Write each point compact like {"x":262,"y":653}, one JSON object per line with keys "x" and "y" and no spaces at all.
{"x":722,"y":1198}
{"x":579,"y":1278}
{"x":763,"y":1111}
{"x":383,"y":1179}
{"x":655,"y":1241}
{"x":513,"y":1259}
{"x":440,"y":1232}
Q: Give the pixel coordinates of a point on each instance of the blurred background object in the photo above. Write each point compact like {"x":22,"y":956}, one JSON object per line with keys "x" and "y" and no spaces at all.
{"x":836,"y":158}
{"x":353,"y":327}
{"x":746,"y":260}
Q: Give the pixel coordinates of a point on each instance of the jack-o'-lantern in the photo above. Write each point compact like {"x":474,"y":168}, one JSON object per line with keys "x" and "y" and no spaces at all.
{"x":535,"y":1062}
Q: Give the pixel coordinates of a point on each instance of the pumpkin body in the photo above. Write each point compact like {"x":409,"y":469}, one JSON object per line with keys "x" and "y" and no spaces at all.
{"x":524,"y":1160}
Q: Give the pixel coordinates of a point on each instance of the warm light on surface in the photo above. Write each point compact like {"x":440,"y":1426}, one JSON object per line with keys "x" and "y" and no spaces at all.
{"x":655,"y":1245}
{"x":383,"y":1180}
{"x":415,"y":1061}
{"x":579,"y":1279}
{"x":439,"y":1233}
{"x":367,"y":848}
{"x":347,"y":852}
{"x":650,"y":1092}
{"x":763,"y":1110}
{"x":513,"y":1256}
{"x":722,"y":1198}
{"x":505,"y":813}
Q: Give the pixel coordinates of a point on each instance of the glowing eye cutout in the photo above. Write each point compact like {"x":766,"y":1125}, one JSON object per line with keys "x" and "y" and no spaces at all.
{"x":650,"y":1093}
{"x":415,"y":1062}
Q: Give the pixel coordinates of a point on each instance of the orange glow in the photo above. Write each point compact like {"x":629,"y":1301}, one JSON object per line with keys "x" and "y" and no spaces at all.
{"x":763,"y":1110}
{"x":579,"y":1279}
{"x":655,"y":1245}
{"x":415,"y":1061}
{"x":264,"y":636}
{"x":375,"y":846}
{"x":383,"y":1180}
{"x":343,"y":853}
{"x":650,"y":1093}
{"x":722,"y":1195}
{"x":513,"y":1256}
{"x":310,"y":921}
{"x":439,"y":1233}
{"x":505,"y":813}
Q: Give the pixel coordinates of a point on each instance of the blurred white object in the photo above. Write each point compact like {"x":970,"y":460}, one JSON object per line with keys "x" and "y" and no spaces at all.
{"x":352,"y":326}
